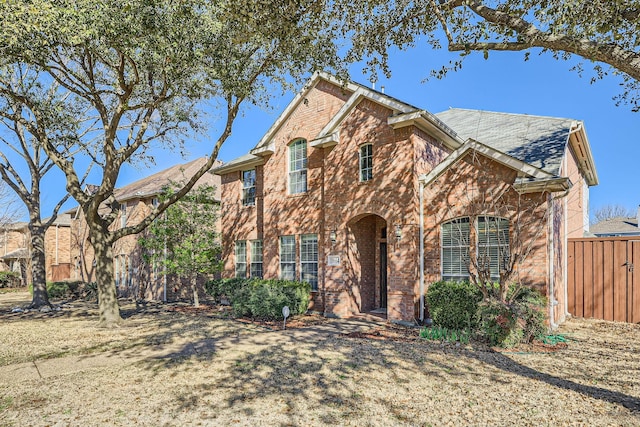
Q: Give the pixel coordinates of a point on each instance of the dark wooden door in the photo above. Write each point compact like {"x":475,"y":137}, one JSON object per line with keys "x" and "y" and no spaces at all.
{"x":383,"y":275}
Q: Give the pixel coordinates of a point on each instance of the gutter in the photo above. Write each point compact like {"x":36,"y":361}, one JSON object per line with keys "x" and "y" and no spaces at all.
{"x":422,"y":184}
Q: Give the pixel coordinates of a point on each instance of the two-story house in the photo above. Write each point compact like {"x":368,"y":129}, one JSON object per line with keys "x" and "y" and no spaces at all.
{"x":370,"y":199}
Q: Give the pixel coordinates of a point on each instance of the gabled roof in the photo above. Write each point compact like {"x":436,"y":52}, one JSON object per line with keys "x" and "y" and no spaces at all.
{"x":536,"y":179}
{"x":153,"y":185}
{"x":21,"y":253}
{"x":538,"y":141}
{"x":616,"y":226}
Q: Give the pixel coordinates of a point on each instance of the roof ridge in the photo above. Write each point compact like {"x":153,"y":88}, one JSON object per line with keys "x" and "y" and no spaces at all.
{"x":509,"y":114}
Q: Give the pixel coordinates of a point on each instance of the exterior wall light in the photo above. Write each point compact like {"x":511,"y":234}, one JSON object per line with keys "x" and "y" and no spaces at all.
{"x":333,"y":236}
{"x":398,"y":232}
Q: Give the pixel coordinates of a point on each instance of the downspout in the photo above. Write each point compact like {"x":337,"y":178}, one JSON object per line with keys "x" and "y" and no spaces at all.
{"x":421,"y":183}
{"x":552,"y":300}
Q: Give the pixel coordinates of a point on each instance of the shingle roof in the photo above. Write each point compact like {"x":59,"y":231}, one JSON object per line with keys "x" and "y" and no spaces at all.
{"x":154,"y":184}
{"x":619,"y":225}
{"x":21,"y":253}
{"x":539,"y":141}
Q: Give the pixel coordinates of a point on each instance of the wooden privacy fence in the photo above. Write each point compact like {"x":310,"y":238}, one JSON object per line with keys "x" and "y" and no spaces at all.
{"x":603,"y":278}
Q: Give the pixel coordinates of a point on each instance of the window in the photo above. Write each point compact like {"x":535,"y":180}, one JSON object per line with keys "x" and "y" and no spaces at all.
{"x":256,"y":259}
{"x":298,"y":167}
{"x":455,"y":249}
{"x":123,"y":215}
{"x":241,"y":258}
{"x":249,"y":187}
{"x":154,"y":202}
{"x":366,"y":162}
{"x":493,"y":245}
{"x":309,"y":260}
{"x":288,"y":257}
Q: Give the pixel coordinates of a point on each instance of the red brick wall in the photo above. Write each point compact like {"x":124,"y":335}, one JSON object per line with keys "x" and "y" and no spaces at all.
{"x":477,"y":185}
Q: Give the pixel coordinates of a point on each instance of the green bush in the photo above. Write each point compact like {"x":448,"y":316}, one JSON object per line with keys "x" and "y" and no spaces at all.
{"x":261,"y":298}
{"x":9,"y":279}
{"x":508,"y":325}
{"x":63,"y":289}
{"x":454,"y":305}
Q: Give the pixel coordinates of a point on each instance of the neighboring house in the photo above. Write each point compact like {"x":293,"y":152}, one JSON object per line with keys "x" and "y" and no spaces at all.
{"x":15,"y":249}
{"x":618,"y":226}
{"x":133,"y":276}
{"x":332,"y":195}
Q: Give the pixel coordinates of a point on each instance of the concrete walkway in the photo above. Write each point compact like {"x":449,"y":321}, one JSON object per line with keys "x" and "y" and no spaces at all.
{"x":48,"y":368}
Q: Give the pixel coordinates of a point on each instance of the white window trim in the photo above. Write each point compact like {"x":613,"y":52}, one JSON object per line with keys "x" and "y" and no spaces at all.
{"x":302,"y":262}
{"x":254,"y":243}
{"x":245,"y":188}
{"x":236,"y":262}
{"x":305,"y":169}
{"x":281,"y":275}
{"x":442,"y":248}
{"x":360,"y":157}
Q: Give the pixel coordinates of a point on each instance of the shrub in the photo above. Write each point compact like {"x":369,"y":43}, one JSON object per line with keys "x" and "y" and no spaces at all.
{"x":63,"y":289}
{"x":454,"y":305}
{"x":9,"y":279}
{"x":508,"y":324}
{"x":261,"y":298}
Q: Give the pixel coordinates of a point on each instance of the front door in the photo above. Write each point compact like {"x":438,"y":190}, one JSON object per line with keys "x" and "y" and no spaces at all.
{"x":383,"y":275}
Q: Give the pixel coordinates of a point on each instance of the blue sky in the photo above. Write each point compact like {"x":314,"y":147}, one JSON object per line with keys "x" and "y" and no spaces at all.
{"x":504,"y":83}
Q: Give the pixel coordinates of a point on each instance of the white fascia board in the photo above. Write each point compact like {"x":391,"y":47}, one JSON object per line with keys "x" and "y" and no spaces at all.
{"x":552,"y":185}
{"x":489,"y":152}
{"x":327,"y":141}
{"x":585,"y":157}
{"x":428,"y":123}
{"x":238,"y":166}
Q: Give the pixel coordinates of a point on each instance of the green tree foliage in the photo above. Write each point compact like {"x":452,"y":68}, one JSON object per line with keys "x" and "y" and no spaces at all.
{"x":141,"y":72}
{"x":184,"y":241}
{"x":600,"y":31}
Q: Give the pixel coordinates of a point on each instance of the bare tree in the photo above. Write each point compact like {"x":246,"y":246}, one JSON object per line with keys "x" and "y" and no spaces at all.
{"x":9,"y":211}
{"x":492,"y":231}
{"x":607,"y":212}
{"x":23,"y":161}
{"x":144,"y":71}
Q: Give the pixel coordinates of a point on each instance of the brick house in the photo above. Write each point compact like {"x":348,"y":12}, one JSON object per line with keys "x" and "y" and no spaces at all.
{"x":370,"y":199}
{"x":15,"y":249}
{"x":134,"y":278}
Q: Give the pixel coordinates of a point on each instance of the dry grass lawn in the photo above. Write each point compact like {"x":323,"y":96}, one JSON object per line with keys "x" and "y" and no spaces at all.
{"x":244,"y":374}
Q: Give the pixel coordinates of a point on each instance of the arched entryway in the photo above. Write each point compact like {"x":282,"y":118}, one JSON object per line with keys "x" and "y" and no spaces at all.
{"x":367,"y":260}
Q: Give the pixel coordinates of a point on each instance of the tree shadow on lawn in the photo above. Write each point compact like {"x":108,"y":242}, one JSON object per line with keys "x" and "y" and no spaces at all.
{"x":504,"y":363}
{"x":324,"y":371}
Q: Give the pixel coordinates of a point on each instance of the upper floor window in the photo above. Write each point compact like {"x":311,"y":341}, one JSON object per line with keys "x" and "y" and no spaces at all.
{"x":298,"y":166}
{"x":123,"y":215}
{"x":249,"y":187}
{"x":366,"y":162}
{"x":155,"y":202}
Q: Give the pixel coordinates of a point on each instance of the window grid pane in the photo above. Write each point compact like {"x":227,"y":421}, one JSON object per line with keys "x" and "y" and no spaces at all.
{"x":366,"y":162}
{"x":493,"y":245}
{"x":256,"y":259}
{"x":288,"y":257}
{"x":455,"y":249}
{"x":249,"y":187}
{"x":241,"y":258}
{"x":309,"y":259}
{"x":298,"y":167}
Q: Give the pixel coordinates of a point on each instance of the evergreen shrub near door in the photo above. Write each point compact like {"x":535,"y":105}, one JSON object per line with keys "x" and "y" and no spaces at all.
{"x":261,"y":298}
{"x":454,"y":305}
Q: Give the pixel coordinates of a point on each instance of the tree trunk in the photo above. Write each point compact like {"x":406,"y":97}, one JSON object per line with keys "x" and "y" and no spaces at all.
{"x":38,"y":267}
{"x":108,"y":308}
{"x":194,"y":289}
